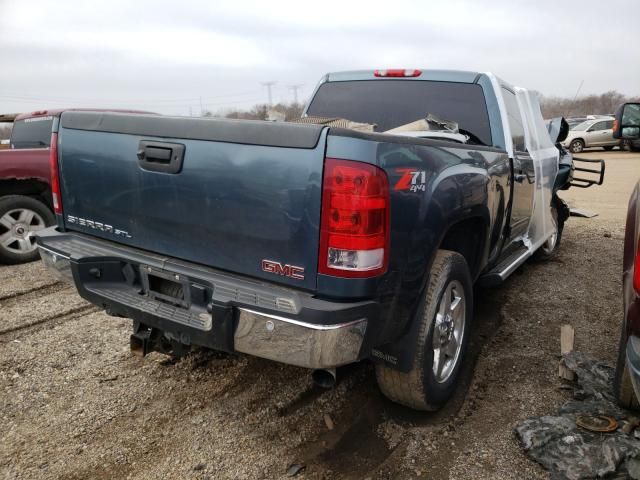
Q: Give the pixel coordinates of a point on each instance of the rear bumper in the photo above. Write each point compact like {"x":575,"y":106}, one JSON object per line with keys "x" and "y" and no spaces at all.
{"x":220,"y":310}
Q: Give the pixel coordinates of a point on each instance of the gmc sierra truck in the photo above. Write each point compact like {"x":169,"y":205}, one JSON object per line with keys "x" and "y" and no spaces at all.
{"x":309,"y":244}
{"x":25,"y":194}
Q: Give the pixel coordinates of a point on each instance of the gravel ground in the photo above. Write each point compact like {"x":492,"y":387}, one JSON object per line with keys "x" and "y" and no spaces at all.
{"x":75,"y":403}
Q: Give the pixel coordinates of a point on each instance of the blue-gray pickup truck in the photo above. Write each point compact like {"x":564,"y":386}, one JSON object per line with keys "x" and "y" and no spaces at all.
{"x":307,"y":243}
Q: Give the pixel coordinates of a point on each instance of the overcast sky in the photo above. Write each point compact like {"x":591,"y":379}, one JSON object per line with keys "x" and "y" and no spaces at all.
{"x":172,"y":58}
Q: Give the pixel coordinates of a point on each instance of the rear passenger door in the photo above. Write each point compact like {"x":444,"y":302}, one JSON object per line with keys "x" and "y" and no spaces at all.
{"x":600,"y":133}
{"x":523,"y":172}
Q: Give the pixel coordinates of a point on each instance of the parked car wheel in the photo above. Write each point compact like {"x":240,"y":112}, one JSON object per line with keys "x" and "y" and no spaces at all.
{"x":444,"y":318}
{"x":20,"y":218}
{"x":549,"y":248}
{"x":576,"y":146}
{"x":608,"y":148}
{"x":622,"y":386}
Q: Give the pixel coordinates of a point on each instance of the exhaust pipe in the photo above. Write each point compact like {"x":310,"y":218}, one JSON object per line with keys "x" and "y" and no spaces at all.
{"x":324,"y":377}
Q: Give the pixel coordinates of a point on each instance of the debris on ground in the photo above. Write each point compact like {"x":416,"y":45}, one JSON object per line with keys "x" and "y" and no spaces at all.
{"x":295,"y":469}
{"x":567,"y":445}
{"x":580,"y":212}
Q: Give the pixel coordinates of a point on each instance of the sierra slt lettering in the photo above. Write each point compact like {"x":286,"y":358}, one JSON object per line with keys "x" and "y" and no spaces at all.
{"x":103,"y":227}
{"x":291,"y":271}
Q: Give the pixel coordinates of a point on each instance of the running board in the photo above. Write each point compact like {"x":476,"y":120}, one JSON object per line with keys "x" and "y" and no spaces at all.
{"x":505,"y":268}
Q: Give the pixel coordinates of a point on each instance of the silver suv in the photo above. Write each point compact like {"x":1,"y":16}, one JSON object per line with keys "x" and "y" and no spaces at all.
{"x":592,"y":133}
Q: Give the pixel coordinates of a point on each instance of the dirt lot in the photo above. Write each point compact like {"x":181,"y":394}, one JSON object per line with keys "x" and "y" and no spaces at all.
{"x":75,"y":404}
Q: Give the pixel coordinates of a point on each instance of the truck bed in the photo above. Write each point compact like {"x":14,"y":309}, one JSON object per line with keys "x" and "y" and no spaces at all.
{"x":243,"y":191}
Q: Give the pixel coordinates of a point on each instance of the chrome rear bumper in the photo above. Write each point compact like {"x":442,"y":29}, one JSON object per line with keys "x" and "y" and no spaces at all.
{"x":255,"y":318}
{"x":298,"y":343}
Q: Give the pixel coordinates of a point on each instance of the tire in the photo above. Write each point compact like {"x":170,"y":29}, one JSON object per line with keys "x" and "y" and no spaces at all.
{"x":608,"y":149}
{"x":548,"y":249}
{"x":622,"y":386}
{"x":576,"y":146}
{"x":20,"y":217}
{"x":422,"y":387}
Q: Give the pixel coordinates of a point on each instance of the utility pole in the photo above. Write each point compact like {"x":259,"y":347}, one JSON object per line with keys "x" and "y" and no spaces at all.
{"x":200,"y":106}
{"x":269,"y":84}
{"x":294,"y":89}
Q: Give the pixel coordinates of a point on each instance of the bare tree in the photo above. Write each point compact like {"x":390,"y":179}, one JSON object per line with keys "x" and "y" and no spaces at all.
{"x":602,"y":104}
{"x":259,"y":112}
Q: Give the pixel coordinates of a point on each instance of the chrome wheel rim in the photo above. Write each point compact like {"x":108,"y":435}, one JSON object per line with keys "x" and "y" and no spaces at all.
{"x":17,"y":227}
{"x":448,"y":331}
{"x":576,"y":147}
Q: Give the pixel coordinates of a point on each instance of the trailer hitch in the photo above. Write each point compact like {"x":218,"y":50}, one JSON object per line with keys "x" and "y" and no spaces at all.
{"x":145,"y":340}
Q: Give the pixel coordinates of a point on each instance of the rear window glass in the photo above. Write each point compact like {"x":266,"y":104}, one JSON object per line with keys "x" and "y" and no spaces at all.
{"x":32,"y":133}
{"x":391,"y":103}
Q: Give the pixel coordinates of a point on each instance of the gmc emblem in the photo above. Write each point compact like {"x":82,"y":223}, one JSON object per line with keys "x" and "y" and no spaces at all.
{"x":291,"y":271}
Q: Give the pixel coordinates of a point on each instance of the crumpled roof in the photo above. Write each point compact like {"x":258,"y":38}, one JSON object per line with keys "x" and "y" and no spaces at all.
{"x":570,"y":452}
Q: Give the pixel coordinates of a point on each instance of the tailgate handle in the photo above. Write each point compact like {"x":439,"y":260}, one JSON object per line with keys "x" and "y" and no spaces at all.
{"x":160,"y":156}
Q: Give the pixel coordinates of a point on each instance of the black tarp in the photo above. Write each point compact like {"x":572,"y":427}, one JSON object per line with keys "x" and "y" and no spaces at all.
{"x":570,"y":452}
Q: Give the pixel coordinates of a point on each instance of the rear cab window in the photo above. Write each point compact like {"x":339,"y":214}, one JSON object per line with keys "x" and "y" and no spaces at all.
{"x":391,"y":103}
{"x":32,"y":132}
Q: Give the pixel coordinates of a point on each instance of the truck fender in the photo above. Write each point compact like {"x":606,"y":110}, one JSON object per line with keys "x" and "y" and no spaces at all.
{"x":450,"y":205}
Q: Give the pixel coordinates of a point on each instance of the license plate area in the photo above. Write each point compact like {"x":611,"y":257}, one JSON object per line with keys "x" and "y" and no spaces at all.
{"x":166,"y":287}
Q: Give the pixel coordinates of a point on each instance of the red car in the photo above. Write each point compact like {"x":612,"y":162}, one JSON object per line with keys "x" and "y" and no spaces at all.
{"x":627,"y":379}
{"x":25,"y":195}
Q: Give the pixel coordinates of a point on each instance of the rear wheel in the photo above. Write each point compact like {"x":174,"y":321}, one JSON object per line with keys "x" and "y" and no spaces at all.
{"x":444,"y":321}
{"x":576,"y":146}
{"x":20,"y":218}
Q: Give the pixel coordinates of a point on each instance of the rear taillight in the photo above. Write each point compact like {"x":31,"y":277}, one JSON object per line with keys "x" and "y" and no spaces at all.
{"x":397,"y":72}
{"x":354,"y":226}
{"x":55,"y":177}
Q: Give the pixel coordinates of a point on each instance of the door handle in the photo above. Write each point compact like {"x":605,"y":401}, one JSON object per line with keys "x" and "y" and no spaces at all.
{"x":519,"y":177}
{"x":161,"y":157}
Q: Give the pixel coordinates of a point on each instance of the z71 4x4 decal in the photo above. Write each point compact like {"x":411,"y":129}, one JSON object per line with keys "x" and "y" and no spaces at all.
{"x":411,"y":180}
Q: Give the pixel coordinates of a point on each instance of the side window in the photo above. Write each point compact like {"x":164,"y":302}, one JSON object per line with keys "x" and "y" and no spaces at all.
{"x":596,"y":127}
{"x":32,"y":133}
{"x":608,"y":125}
{"x":515,"y":120}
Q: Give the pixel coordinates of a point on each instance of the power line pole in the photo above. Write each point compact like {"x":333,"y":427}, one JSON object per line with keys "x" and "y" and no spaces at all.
{"x":294,"y":89}
{"x":200,"y":106}
{"x":269,"y":84}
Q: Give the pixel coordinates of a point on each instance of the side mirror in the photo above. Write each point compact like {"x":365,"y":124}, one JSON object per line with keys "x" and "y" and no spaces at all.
{"x":558,"y":129}
{"x":627,"y":122}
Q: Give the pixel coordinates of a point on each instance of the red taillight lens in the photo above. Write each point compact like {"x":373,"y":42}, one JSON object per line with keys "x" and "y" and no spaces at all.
{"x":354,"y":227}
{"x":397,"y":72}
{"x":55,"y":178}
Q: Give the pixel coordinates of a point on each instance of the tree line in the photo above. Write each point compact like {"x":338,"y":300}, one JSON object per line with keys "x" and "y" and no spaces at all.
{"x":602,"y":104}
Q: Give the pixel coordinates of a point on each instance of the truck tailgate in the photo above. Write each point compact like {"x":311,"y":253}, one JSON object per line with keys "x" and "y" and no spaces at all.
{"x":243,"y":193}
